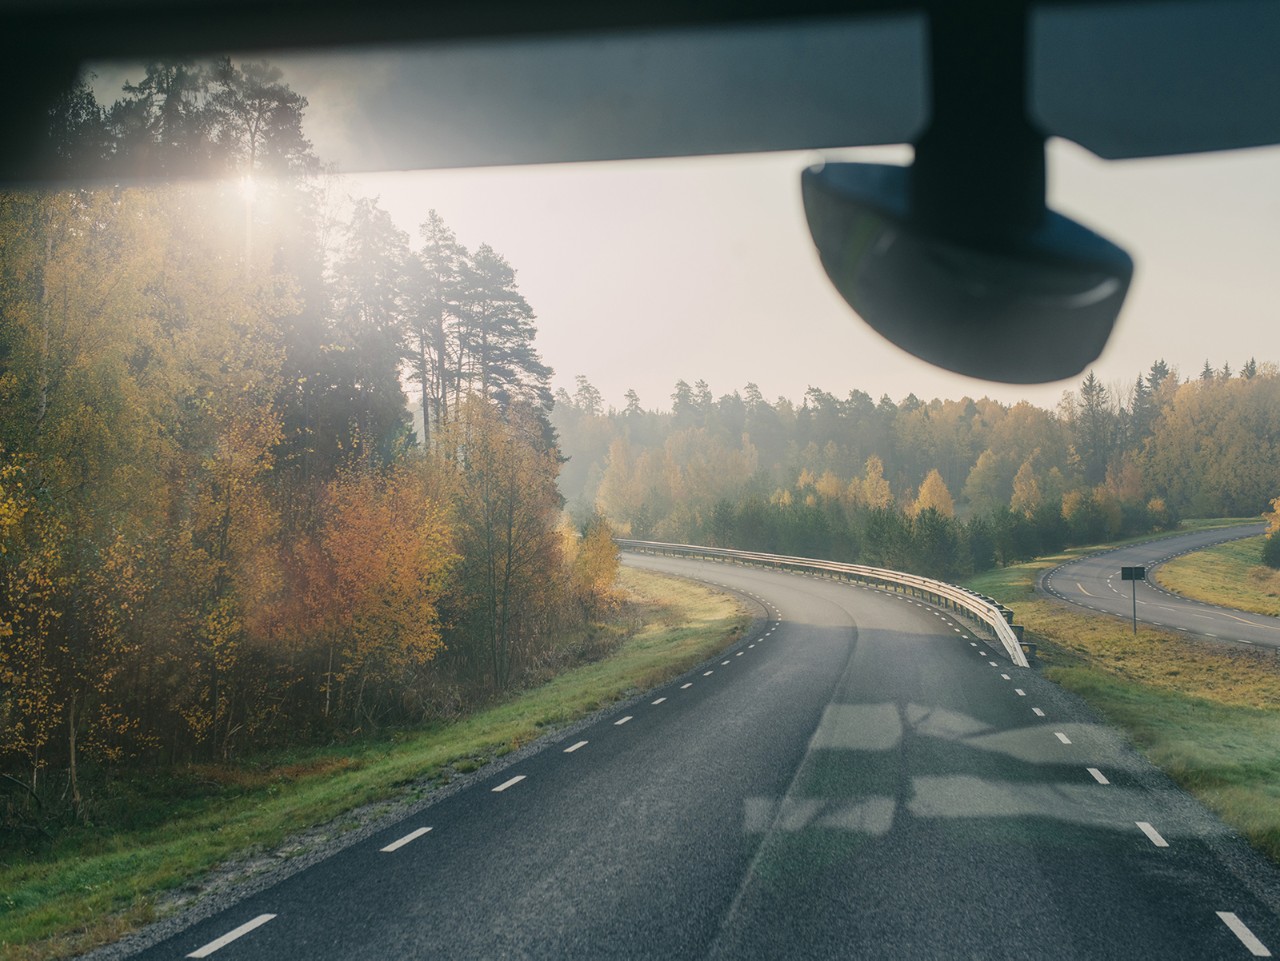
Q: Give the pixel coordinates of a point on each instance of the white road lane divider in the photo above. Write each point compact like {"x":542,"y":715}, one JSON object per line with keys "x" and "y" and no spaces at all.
{"x":1037,"y":712}
{"x":1241,"y":931}
{"x":1152,"y":834}
{"x":685,"y":687}
{"x":658,"y":701}
{"x":1020,"y":692}
{"x":511,"y":783}
{"x":1098,"y":775}
{"x":573,"y":747}
{"x":230,"y":936}
{"x":1062,"y":737}
{"x":411,"y":836}
{"x":623,"y":720}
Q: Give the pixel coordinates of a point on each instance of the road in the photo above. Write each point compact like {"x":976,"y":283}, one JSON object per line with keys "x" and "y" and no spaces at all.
{"x":1094,"y":582}
{"x":859,"y":777}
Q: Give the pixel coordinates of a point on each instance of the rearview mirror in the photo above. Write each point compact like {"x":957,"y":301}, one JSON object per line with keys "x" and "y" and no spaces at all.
{"x":1021,"y":307}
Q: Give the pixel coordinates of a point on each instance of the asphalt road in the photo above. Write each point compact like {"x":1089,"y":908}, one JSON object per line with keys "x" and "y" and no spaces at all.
{"x":859,"y":777}
{"x":1094,"y":582}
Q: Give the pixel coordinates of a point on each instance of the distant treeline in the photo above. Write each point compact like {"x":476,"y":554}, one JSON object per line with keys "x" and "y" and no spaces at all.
{"x":219,"y":530}
{"x":939,"y":487}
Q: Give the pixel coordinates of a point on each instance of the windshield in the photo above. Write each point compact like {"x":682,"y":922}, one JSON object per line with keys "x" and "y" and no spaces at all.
{"x":377,"y":425}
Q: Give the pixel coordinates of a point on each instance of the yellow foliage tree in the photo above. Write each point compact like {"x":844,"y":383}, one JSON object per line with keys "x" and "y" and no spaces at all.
{"x":875,"y":489}
{"x":934,"y":494}
{"x":1026,"y":489}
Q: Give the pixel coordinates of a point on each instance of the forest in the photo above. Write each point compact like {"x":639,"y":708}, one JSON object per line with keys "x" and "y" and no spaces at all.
{"x":943,"y":488}
{"x":221,"y":529}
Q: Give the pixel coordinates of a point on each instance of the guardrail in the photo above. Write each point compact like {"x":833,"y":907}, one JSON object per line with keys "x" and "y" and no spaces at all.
{"x":969,"y":603}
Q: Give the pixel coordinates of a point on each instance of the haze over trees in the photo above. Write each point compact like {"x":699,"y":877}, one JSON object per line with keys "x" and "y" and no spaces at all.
{"x":219,"y":529}
{"x":943,"y":487}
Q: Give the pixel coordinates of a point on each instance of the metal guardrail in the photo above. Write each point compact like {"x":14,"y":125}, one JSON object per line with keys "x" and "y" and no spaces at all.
{"x":976,"y":606}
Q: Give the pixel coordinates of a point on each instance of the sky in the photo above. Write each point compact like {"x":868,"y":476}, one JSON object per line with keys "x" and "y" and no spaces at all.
{"x":645,"y":272}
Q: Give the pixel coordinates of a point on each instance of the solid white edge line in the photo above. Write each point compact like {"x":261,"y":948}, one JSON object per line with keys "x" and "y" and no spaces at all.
{"x":506,"y":784}
{"x":411,"y":836}
{"x":573,"y":747}
{"x":1062,"y":737}
{"x":1241,"y":931}
{"x":230,"y":936}
{"x":1098,"y":775}
{"x":658,"y":701}
{"x":623,"y":720}
{"x":1152,"y":834}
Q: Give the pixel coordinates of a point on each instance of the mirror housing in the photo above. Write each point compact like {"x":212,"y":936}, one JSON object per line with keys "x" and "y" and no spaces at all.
{"x":1021,"y":307}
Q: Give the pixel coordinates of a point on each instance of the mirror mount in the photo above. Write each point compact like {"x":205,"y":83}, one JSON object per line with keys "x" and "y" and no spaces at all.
{"x":956,"y":258}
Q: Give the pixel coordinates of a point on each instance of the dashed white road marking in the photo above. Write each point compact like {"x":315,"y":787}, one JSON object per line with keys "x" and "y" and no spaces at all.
{"x":684,"y":686}
{"x":973,"y":643}
{"x":230,"y":936}
{"x":1006,"y":677}
{"x":983,"y":653}
{"x":658,"y":701}
{"x":1020,"y":692}
{"x":623,"y":720}
{"x":723,"y":663}
{"x":573,"y":747}
{"x":739,"y":654}
{"x":1037,"y":712}
{"x":411,"y":836}
{"x":749,"y":646}
{"x":506,"y":784}
{"x":1062,"y":737}
{"x":1098,"y":776}
{"x":1152,"y":833}
{"x":707,"y":673}
{"x":1241,"y":931}
{"x":993,"y":663}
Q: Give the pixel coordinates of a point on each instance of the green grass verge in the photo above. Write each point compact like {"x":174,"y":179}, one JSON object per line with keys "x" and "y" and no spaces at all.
{"x":1208,"y":714}
{"x":1230,"y":574}
{"x":93,"y":885}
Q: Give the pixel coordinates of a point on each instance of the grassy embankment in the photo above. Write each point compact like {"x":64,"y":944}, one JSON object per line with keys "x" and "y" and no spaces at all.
{"x":1207,"y":713}
{"x":94,"y":884}
{"x":1230,"y":574}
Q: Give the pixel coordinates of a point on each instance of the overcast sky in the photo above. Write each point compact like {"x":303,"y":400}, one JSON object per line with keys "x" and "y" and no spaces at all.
{"x":643,"y":272}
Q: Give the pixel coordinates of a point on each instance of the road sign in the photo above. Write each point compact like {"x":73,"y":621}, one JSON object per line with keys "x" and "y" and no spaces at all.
{"x":1134,"y":574}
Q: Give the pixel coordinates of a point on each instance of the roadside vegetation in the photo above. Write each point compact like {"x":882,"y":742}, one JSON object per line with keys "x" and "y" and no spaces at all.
{"x":1206,"y":713}
{"x":1232,"y":575}
{"x":161,"y":832}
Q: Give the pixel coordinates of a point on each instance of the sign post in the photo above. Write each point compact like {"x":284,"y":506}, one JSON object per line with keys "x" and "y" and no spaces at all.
{"x":1134,"y":574}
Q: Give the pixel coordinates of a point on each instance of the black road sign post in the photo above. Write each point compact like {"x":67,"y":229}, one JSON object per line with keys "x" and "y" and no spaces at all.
{"x":1134,"y":574}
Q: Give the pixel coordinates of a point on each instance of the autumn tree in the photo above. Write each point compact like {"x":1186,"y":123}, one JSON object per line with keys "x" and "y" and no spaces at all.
{"x":934,"y":496}
{"x":506,"y":507}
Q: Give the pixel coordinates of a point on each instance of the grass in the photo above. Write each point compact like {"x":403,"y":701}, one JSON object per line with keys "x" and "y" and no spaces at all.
{"x":1230,"y":574}
{"x":94,"y":885}
{"x":1208,"y":714}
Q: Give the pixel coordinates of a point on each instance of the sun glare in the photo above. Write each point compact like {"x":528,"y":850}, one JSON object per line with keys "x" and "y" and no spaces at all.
{"x":248,"y":188}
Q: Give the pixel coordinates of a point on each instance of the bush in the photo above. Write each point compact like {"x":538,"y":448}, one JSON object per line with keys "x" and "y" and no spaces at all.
{"x":1271,"y":550}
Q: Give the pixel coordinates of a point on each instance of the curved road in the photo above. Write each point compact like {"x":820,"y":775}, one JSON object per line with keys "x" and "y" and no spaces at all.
{"x":1094,"y":582}
{"x":859,"y":777}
